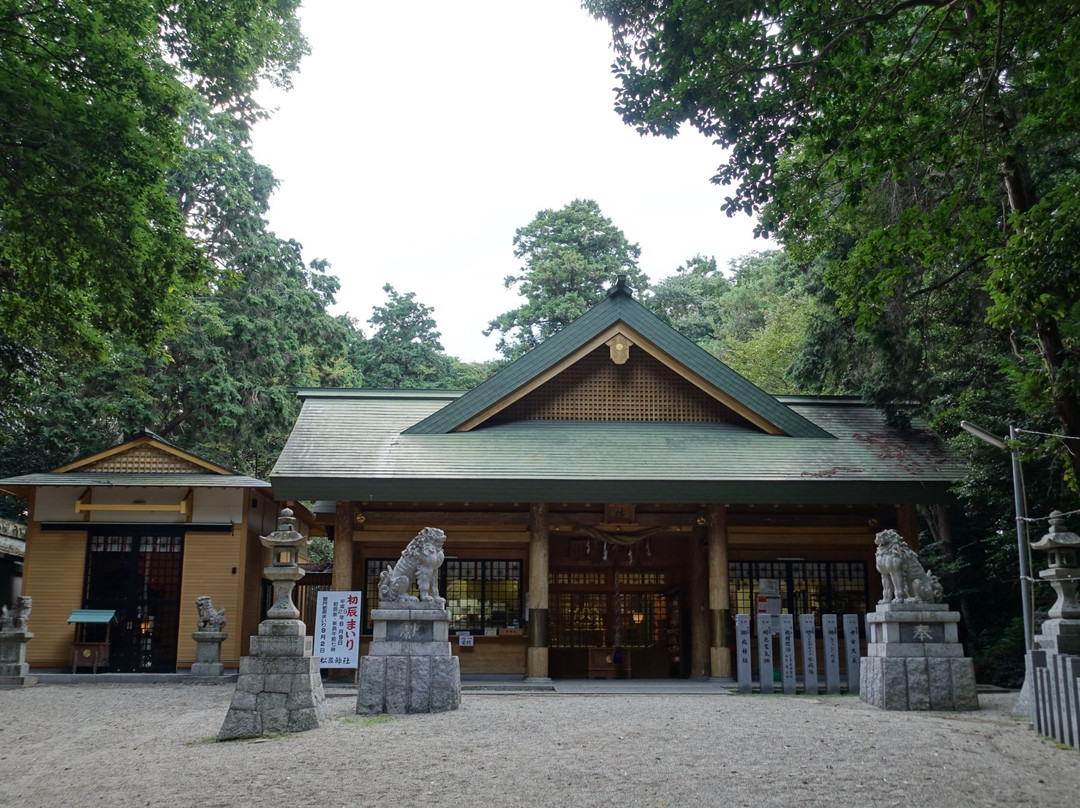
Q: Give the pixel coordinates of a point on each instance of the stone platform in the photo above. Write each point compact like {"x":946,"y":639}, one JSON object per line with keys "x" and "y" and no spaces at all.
{"x":279,"y":688}
{"x":409,"y":667}
{"x":914,"y":660}
{"x":14,"y":670}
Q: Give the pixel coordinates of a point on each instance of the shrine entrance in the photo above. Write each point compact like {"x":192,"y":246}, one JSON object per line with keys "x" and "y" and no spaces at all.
{"x":136,"y":571}
{"x":617,"y":612}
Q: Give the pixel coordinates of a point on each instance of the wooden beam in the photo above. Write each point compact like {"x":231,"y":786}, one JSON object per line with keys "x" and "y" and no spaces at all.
{"x":341,"y":579}
{"x":719,"y":599}
{"x":536,"y":663}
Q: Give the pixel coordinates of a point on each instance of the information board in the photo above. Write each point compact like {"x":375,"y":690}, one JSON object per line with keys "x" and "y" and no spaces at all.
{"x":337,"y":629}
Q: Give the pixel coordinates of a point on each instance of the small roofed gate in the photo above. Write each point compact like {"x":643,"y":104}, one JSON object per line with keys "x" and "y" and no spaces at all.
{"x":136,"y":570}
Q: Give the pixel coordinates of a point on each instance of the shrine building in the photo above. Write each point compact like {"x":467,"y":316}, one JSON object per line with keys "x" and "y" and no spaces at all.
{"x":615,"y":487}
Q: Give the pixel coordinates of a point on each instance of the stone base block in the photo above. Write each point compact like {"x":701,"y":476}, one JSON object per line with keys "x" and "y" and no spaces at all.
{"x":275,"y":695}
{"x":272,"y":646}
{"x":408,"y":684}
{"x":17,"y":681}
{"x":918,"y":683}
{"x":207,"y":669}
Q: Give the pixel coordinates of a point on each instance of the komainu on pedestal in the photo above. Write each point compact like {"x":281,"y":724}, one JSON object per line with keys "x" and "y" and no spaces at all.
{"x":914,"y":660}
{"x":409,"y":667}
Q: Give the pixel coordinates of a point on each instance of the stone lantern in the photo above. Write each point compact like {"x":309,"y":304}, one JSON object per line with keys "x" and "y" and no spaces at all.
{"x":284,"y":571}
{"x":279,"y":688}
{"x":1061,"y":632}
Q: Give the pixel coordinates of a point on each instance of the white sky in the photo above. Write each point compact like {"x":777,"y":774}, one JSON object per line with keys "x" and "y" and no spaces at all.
{"x":419,"y":136}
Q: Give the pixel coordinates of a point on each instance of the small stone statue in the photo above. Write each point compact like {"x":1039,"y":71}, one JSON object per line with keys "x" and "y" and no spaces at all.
{"x":210,"y":619}
{"x":903,"y":579}
{"x":419,"y":564}
{"x":16,"y":620}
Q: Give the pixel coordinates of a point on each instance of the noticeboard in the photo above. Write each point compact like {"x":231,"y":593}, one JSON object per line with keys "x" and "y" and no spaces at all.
{"x":337,"y":629}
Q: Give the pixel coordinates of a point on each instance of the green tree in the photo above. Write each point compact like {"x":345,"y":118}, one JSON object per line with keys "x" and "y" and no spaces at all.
{"x":404,"y":351}
{"x":572,"y":257}
{"x":220,"y":384}
{"x":92,"y":100}
{"x":923,"y":146}
{"x":689,"y":301}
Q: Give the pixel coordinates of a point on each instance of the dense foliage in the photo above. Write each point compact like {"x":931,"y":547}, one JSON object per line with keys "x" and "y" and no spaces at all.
{"x":927,"y":149}
{"x":572,"y":257}
{"x":92,"y":128}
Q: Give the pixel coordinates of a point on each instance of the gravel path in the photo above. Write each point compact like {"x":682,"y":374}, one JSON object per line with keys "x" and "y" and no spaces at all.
{"x":128,"y":745}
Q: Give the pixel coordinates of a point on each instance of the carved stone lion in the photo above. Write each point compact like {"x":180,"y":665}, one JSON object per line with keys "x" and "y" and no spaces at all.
{"x":419,"y":564}
{"x":210,"y":619}
{"x":15,"y":619}
{"x":903,"y":579}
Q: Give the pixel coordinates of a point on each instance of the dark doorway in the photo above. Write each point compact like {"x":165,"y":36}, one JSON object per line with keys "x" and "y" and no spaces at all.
{"x":137,"y":572}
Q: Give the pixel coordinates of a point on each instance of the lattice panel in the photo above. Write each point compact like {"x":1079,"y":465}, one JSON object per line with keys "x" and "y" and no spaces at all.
{"x":143,"y":460}
{"x":596,"y":389}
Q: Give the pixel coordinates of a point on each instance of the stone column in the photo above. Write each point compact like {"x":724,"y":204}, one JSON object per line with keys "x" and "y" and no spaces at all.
{"x":536,"y":662}
{"x":208,"y":653}
{"x":14,"y":671}
{"x":719,"y":599}
{"x":14,"y":634}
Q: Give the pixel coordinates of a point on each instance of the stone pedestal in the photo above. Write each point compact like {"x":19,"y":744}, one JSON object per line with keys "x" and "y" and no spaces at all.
{"x":914,"y":660}
{"x":14,"y":672}
{"x":208,"y":653}
{"x":279,"y":688}
{"x":409,"y":667}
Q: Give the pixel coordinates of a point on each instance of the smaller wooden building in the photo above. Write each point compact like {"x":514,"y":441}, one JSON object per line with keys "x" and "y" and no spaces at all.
{"x":143,"y":528}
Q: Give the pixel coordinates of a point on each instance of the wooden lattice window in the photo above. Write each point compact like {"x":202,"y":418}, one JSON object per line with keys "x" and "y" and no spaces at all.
{"x":143,"y":460}
{"x":597,"y":389}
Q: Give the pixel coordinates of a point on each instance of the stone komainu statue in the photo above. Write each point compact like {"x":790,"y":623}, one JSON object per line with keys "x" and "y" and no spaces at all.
{"x":210,"y":619}
{"x":15,"y":619}
{"x":419,"y":564}
{"x":903,"y":579}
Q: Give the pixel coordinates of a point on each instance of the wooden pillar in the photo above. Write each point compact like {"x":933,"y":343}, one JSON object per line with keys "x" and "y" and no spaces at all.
{"x":342,"y":580}
{"x":907,"y":525}
{"x":699,"y":604}
{"x":719,"y":601}
{"x":536,"y":662}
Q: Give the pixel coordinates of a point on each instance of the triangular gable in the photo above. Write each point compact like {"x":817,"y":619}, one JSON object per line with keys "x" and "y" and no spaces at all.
{"x":147,"y":454}
{"x":544,"y":380}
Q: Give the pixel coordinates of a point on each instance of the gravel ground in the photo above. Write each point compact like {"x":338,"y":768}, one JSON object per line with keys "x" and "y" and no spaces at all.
{"x":127,"y":745}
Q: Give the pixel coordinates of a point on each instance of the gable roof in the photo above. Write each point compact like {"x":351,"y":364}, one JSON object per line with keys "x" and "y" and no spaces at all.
{"x":146,"y":460}
{"x":617,"y":315}
{"x":355,"y":445}
{"x":672,"y":425}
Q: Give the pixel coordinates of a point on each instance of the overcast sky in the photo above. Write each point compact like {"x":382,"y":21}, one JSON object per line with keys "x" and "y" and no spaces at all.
{"x":419,"y":136}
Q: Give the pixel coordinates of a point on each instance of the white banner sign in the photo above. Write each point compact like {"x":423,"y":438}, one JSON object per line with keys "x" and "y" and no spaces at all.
{"x":337,"y":629}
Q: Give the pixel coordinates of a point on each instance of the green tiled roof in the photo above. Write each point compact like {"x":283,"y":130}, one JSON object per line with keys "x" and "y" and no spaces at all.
{"x":135,"y":479}
{"x":618,"y":307}
{"x":356,"y":445}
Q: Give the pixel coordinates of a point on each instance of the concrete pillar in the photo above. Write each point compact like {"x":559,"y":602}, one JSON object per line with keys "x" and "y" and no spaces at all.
{"x":342,"y":580}
{"x":536,"y":663}
{"x":719,"y":601}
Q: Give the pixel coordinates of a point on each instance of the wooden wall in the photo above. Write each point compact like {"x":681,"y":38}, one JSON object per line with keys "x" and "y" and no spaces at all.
{"x":212,"y":565}
{"x":53,"y":575}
